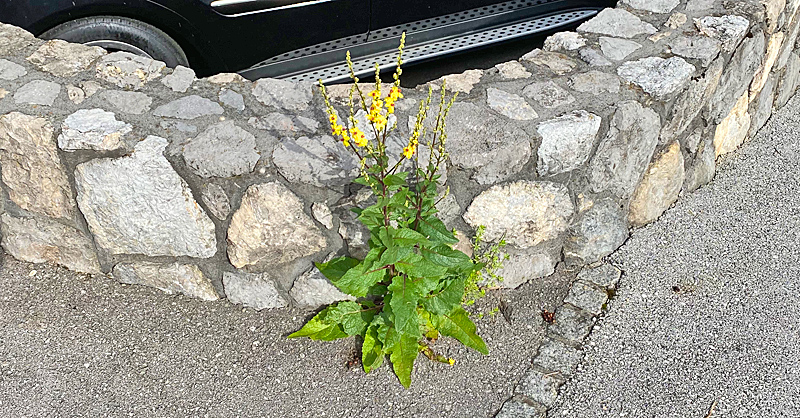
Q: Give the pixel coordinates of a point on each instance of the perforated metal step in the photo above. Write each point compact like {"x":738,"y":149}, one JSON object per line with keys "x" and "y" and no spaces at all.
{"x":365,"y":65}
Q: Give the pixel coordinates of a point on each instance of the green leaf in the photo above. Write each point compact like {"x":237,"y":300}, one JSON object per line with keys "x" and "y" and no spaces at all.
{"x":394,"y":254}
{"x":319,"y":328}
{"x":359,"y":279}
{"x":405,"y":297}
{"x":372,"y":349}
{"x":445,"y":256}
{"x":395,"y":181}
{"x":336,"y":268}
{"x":457,"y":324}
{"x":353,"y":317}
{"x":446,"y":300}
{"x":418,"y":266}
{"x":436,"y":230}
{"x":409,"y":237}
{"x":403,"y":353}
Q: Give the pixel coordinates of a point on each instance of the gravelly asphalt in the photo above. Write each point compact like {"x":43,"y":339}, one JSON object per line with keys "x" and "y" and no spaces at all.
{"x":731,"y":332}
{"x":80,"y":346}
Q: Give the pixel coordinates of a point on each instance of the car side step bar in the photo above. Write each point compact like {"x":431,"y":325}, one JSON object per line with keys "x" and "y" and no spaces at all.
{"x":364,"y":64}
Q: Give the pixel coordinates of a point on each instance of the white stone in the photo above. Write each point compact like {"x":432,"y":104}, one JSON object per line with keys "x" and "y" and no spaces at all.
{"x":567,"y":142}
{"x":93,"y":129}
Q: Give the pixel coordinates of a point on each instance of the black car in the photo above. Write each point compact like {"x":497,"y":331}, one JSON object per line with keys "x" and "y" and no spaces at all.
{"x":294,"y":39}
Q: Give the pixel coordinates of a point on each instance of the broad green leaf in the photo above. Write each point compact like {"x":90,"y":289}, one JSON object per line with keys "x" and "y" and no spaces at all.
{"x":446,"y":300}
{"x":445,"y":256}
{"x":371,"y":350}
{"x":394,"y":181}
{"x":457,"y":324}
{"x":353,"y":317}
{"x":403,"y":353}
{"x":394,"y":254}
{"x":409,"y":237}
{"x":436,"y":231}
{"x":405,"y":297}
{"x":319,"y":328}
{"x":336,"y":268}
{"x":418,"y":266}
{"x":358,"y":280}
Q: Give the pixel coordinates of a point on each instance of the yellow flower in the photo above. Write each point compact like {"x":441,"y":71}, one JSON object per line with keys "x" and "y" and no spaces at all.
{"x":375,"y":94}
{"x":409,"y":151}
{"x":395,"y":93}
{"x":358,"y":137}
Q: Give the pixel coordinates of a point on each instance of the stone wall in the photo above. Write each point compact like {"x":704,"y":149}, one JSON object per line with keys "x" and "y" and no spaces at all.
{"x":223,"y":187}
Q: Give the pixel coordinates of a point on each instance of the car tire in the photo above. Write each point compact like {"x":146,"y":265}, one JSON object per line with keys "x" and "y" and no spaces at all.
{"x":121,"y":34}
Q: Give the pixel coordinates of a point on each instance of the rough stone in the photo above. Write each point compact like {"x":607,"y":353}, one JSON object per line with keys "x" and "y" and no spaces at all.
{"x":557,"y":62}
{"x":567,"y":142}
{"x":572,"y":324}
{"x":676,"y":20}
{"x":10,"y":71}
{"x":618,"y":49}
{"x":180,"y":80}
{"x":688,"y":105}
{"x":596,"y":233}
{"x":657,"y":76}
{"x":322,"y":213}
{"x":655,"y":6}
{"x":354,"y":234}
{"x":605,"y":275}
{"x":179,"y":126}
{"x":774,"y":8}
{"x":186,"y":279}
{"x":271,"y":228}
{"x":216,"y":200}
{"x":510,"y":105}
{"x":312,"y":290}
{"x":139,"y":205}
{"x":319,"y":161}
{"x":729,"y":30}
{"x":790,"y":81}
{"x":564,"y":41}
{"x":737,"y":76}
{"x":623,"y":155}
{"x":703,"y":168}
{"x":760,"y":79}
{"x":519,"y":269}
{"x":32,"y":171}
{"x":3,"y":93}
{"x":548,"y":94}
{"x":558,"y":357}
{"x":189,"y":107}
{"x":594,"y":58}
{"x":587,"y":297}
{"x":93,"y":129}
{"x":701,"y":48}
{"x":595,"y":82}
{"x":37,"y":240}
{"x":130,"y":102}
{"x":732,"y":131}
{"x":659,"y":188}
{"x":617,"y":22}
{"x":222,"y":150}
{"x":699,"y":5}
{"x":285,"y":124}
{"x":90,"y":88}
{"x":128,"y":71}
{"x":282,"y":94}
{"x":540,"y":387}
{"x":257,"y":291}
{"x":231,"y":99}
{"x":517,"y":408}
{"x":226,"y":78}
{"x":13,"y":39}
{"x":526,"y":213}
{"x":65,"y":59}
{"x":762,"y":106}
{"x":512,"y":70}
{"x":38,"y":92}
{"x":477,"y":140}
{"x":75,"y":94}
{"x":462,"y":83}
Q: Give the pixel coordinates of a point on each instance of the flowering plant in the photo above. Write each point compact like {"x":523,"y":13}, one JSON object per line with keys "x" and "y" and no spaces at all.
{"x":410,"y":286}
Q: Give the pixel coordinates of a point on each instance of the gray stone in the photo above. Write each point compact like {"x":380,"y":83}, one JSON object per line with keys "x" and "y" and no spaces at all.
{"x":510,"y":105}
{"x":701,"y":48}
{"x":558,"y":357}
{"x":312,"y":290}
{"x":3,"y":93}
{"x":618,"y":49}
{"x":512,"y":70}
{"x":604,"y":275}
{"x":270,"y":228}
{"x":449,"y":209}
{"x":594,"y":58}
{"x":519,"y":269}
{"x":548,"y":94}
{"x":657,"y":76}
{"x":180,"y":80}
{"x":10,"y":71}
{"x":676,"y":20}
{"x":285,"y":124}
{"x":38,"y":92}
{"x":13,"y":39}
{"x":231,"y":99}
{"x":655,"y":6}
{"x":703,"y":167}
{"x":216,"y":200}
{"x":623,"y":155}
{"x":539,"y":386}
{"x":90,"y":88}
{"x":659,"y":188}
{"x":617,"y":22}
{"x":320,"y":161}
{"x":729,"y":30}
{"x":139,"y":205}
{"x":32,"y":171}
{"x":130,"y":102}
{"x":354,"y":234}
{"x":75,"y":94}
{"x":128,"y":71}
{"x":189,"y":107}
{"x":557,"y":62}
{"x":461,"y":83}
{"x":526,"y":213}
{"x":222,"y":150}
{"x":184,"y":127}
{"x":688,"y":105}
{"x":698,"y":5}
{"x":596,"y":233}
{"x":571,"y":324}
{"x":282,"y":94}
{"x":322,"y":213}
{"x":567,"y":142}
{"x":564,"y":41}
{"x":93,"y":129}
{"x":595,"y":82}
{"x":37,"y":240}
{"x":65,"y":59}
{"x":518,"y":408}
{"x":789,"y":82}
{"x":186,"y":279}
{"x":762,"y":106}
{"x":257,"y":291}
{"x":587,"y":297}
{"x":477,"y":140}
{"x":226,"y":78}
{"x":737,"y":76}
